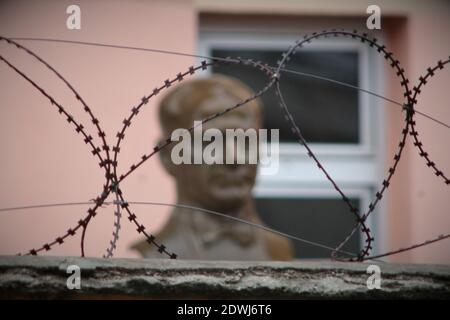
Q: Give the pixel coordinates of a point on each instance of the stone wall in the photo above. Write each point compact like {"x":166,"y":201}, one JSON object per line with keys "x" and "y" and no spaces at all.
{"x":46,"y":277}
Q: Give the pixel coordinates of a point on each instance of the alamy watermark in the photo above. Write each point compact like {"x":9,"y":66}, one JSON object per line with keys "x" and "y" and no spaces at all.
{"x":73,"y":21}
{"x":373,"y":22}
{"x":235,"y":146}
{"x":374,"y":280}
{"x":74,"y":280}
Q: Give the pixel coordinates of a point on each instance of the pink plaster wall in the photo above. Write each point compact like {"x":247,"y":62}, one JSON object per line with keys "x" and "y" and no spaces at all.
{"x":42,"y":160}
{"x":428,"y":198}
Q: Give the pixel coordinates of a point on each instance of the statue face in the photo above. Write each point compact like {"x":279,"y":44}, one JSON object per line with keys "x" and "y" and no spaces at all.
{"x":221,"y":187}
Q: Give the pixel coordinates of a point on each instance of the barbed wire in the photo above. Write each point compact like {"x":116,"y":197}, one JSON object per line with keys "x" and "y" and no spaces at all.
{"x":109,"y":162}
{"x":183,"y":206}
{"x":415,"y":134}
{"x":112,"y":175}
{"x":215,"y":58}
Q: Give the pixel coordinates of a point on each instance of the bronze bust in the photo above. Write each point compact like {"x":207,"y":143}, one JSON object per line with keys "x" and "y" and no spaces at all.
{"x":224,"y":188}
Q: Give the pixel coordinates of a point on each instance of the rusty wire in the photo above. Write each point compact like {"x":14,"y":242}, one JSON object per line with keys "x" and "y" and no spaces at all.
{"x":273,"y":73}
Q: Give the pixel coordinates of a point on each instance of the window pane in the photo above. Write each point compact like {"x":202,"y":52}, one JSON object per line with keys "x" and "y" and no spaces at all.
{"x":325,"y":112}
{"x":326,"y":221}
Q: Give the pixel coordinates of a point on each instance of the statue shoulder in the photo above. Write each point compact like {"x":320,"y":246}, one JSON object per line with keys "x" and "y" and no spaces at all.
{"x":278,"y":247}
{"x":167,"y":235}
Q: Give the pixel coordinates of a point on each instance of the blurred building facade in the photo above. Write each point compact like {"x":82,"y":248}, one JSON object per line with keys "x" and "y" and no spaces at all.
{"x":44,"y":162}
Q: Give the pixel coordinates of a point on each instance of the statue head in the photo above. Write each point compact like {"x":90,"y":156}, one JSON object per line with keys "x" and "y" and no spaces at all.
{"x":222,"y":187}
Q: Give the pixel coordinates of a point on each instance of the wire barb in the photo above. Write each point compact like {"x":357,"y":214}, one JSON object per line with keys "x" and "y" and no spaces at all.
{"x":108,"y":161}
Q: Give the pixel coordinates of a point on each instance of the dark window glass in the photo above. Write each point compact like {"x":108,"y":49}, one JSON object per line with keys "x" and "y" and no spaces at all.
{"x":324,"y":111}
{"x":327,"y":221}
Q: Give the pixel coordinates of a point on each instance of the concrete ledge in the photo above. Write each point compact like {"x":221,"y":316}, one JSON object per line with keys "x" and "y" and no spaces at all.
{"x":45,"y":277}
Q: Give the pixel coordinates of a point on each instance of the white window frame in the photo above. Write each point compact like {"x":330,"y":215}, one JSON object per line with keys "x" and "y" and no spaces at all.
{"x":294,"y":191}
{"x":356,"y":168}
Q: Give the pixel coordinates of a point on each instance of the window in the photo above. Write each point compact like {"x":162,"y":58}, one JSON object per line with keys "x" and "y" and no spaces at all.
{"x":341,"y":124}
{"x":309,"y":222}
